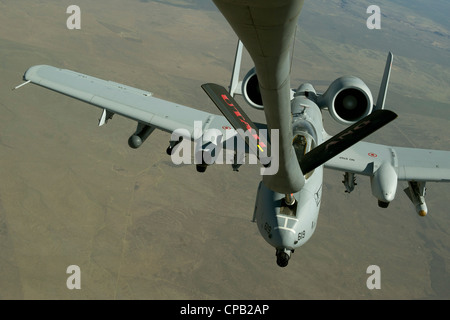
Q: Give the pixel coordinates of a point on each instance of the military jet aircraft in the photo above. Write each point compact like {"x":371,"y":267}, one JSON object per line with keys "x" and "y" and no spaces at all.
{"x":296,"y":148}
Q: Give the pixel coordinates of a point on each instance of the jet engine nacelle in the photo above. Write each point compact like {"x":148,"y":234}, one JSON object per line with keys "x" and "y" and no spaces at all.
{"x":250,"y":90}
{"x":348,"y":99}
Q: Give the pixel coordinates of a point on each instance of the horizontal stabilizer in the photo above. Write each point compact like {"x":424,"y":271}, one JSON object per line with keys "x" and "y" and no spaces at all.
{"x":345,"y":139}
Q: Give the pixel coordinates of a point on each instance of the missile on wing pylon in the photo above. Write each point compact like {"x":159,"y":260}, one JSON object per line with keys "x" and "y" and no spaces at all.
{"x":416,"y":193}
{"x":141,"y":134}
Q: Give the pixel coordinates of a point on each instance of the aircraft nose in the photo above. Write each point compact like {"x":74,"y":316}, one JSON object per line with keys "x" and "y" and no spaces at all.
{"x":283,"y":256}
{"x":284,"y":237}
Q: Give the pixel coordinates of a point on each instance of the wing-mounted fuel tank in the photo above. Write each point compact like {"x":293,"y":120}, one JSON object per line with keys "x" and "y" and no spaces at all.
{"x":250,"y":90}
{"x":348,"y":100}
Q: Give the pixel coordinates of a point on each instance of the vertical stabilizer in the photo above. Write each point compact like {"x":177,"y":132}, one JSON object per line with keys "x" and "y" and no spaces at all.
{"x":235,"y":84}
{"x":384,"y":83}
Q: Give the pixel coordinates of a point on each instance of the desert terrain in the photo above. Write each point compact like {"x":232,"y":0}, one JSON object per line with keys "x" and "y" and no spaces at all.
{"x":139,"y":227}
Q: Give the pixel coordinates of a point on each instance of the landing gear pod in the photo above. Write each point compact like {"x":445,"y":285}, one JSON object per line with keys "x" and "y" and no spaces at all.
{"x":201,"y":167}
{"x":172,"y":145}
{"x":384,"y":184}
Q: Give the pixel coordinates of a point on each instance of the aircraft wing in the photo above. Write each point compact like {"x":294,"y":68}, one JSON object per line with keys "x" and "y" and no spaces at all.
{"x":115,"y":98}
{"x":410,"y":164}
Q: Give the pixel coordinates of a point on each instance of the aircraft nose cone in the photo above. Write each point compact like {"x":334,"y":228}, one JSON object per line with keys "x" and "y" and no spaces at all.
{"x":283,"y":238}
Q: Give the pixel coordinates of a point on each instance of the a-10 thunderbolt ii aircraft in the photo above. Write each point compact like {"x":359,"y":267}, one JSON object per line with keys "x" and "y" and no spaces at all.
{"x":297,"y":146}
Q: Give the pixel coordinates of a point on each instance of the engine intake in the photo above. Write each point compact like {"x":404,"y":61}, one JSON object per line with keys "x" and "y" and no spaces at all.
{"x":250,"y":90}
{"x":348,"y":99}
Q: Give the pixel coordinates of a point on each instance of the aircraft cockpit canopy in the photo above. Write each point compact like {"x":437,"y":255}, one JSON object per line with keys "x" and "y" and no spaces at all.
{"x":305,"y":138}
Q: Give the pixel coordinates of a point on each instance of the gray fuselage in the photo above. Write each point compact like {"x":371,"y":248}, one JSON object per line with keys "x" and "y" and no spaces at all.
{"x":287,"y":227}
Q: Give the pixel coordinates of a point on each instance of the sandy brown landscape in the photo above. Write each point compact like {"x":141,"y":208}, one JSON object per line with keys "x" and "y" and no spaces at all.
{"x":139,"y":227}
